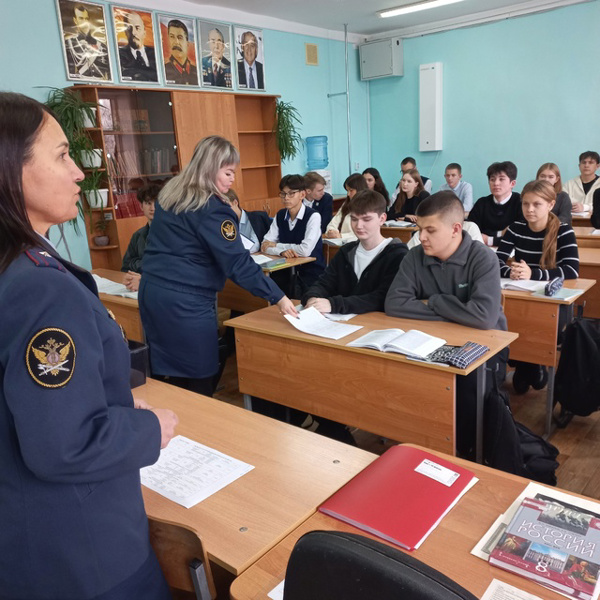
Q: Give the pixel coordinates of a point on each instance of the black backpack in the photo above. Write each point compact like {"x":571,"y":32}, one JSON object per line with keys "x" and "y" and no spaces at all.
{"x":511,"y":447}
{"x":577,"y":381}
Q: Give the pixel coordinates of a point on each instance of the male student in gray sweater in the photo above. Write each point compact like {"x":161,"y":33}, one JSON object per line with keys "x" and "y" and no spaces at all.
{"x":449,"y":277}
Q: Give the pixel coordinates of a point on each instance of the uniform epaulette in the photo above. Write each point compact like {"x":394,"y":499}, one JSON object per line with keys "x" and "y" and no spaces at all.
{"x":42,"y":258}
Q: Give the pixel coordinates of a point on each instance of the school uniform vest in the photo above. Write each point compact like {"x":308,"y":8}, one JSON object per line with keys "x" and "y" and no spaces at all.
{"x":310,"y":271}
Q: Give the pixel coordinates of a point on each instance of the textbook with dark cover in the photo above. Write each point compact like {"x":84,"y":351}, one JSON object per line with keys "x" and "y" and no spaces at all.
{"x":402,"y":496}
{"x":556,"y":546}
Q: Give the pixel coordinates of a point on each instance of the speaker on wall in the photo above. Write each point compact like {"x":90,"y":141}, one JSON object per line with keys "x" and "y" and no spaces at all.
{"x":430,"y":106}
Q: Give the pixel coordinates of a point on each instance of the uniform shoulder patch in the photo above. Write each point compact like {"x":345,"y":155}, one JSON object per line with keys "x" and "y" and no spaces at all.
{"x":228,"y":230}
{"x":50,"y":357}
{"x":41,"y":258}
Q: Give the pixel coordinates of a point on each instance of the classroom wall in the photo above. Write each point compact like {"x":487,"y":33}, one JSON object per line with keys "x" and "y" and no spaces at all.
{"x":38,"y":61}
{"x":524,"y":89}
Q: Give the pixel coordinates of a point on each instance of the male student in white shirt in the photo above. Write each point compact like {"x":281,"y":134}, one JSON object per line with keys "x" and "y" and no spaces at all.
{"x":454,"y":183}
{"x":581,"y":188}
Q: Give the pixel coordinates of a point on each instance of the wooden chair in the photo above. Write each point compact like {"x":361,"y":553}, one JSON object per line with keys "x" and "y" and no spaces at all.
{"x":183,"y":560}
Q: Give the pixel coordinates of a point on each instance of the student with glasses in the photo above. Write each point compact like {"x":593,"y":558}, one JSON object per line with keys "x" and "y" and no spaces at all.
{"x":295,"y":232}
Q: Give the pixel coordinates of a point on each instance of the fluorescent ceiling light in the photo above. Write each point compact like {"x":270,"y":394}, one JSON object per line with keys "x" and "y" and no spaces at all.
{"x":411,"y":8}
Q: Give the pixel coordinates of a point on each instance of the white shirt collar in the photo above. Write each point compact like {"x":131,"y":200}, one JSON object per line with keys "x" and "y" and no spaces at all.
{"x":504,"y":200}
{"x":300,"y":214}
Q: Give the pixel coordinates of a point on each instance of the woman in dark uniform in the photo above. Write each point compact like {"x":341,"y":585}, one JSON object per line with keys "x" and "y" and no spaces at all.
{"x":72,"y":520}
{"x":194,"y":247}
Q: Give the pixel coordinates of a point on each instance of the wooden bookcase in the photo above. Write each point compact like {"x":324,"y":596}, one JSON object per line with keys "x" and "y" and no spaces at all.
{"x":149,"y":134}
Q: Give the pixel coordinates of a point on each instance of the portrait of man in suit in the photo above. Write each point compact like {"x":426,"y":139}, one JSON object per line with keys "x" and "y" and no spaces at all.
{"x":84,"y":37}
{"x":137,"y":57}
{"x":179,"y":52}
{"x":250,"y":69}
{"x":216,"y":59}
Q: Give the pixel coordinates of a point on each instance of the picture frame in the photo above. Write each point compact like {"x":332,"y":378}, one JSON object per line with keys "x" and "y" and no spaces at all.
{"x":136,"y":45}
{"x":215,"y":55}
{"x":85,"y":41}
{"x":178,"y":48}
{"x":249,"y":76}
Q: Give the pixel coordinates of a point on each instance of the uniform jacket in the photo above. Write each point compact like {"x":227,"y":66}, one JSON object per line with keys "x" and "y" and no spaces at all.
{"x":324,"y":207}
{"x":185,"y":74}
{"x":132,"y":261}
{"x":188,"y":258}
{"x":222,"y":78}
{"x":464,"y":289}
{"x":72,"y":520}
{"x":260,"y":222}
{"x":347,"y":293}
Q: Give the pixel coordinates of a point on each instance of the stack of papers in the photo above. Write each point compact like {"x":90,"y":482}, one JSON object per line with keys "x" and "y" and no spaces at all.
{"x":188,"y":472}
{"x":522,"y":285}
{"x":399,"y":224}
{"x":106,"y":286}
{"x":261,"y":259}
{"x":310,"y":320}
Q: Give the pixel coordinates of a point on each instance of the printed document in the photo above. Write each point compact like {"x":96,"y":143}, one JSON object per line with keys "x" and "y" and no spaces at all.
{"x":310,"y":320}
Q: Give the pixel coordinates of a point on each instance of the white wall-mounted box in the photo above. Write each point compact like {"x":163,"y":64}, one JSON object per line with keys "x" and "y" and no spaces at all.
{"x":381,"y":58}
{"x":430,"y":106}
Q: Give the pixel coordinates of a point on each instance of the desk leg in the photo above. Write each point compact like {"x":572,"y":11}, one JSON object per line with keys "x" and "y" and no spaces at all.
{"x":549,"y":404}
{"x":247,"y":401}
{"x":479,"y":415}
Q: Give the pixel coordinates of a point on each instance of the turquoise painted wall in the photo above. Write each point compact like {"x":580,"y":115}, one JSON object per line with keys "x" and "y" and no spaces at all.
{"x":524,"y":89}
{"x":39,"y":62}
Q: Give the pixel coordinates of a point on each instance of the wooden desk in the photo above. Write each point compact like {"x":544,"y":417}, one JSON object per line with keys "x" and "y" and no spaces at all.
{"x":586,"y":238}
{"x":535,"y":319}
{"x":295,"y":471}
{"x":384,"y":393}
{"x":234,"y":297}
{"x":589,"y":267}
{"x":126,"y":310}
{"x":402,"y":233}
{"x":447,"y":549}
{"x":585,"y":221}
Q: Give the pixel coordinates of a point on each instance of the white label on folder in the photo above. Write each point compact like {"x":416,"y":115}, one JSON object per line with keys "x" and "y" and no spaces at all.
{"x":437,"y":472}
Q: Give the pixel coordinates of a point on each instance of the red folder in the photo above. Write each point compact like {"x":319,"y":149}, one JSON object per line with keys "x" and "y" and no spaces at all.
{"x":393,"y":501}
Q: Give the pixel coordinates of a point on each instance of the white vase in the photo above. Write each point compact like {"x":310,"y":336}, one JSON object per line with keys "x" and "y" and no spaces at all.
{"x":86,"y":119}
{"x":91,"y":158}
{"x":97,"y":198}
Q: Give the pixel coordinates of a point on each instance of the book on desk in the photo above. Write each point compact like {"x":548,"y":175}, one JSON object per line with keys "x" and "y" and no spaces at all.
{"x":402,"y":496}
{"x":553,"y":545}
{"x":412,"y":342}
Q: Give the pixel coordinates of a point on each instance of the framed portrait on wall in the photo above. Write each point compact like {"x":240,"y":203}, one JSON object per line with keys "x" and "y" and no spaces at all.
{"x":215,"y":54}
{"x":178,"y":45}
{"x":249,"y":52}
{"x":134,"y":30}
{"x":85,"y":47}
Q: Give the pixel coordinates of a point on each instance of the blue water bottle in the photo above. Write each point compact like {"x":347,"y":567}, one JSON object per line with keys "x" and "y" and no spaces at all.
{"x":316,"y":148}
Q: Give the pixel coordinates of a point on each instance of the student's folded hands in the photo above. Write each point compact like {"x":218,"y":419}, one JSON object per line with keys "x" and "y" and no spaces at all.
{"x":289,"y":254}
{"x":131,"y":281}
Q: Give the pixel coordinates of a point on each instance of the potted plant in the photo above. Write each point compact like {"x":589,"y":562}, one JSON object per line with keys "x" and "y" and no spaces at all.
{"x":287,"y":121}
{"x":95,"y":196}
{"x":101,"y":226}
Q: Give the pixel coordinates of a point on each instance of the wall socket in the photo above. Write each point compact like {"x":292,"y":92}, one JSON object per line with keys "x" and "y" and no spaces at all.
{"x":357,"y":167}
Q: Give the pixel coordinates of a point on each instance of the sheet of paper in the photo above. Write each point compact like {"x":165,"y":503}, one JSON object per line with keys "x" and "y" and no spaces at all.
{"x":487,"y":543}
{"x":106,"y":286}
{"x":334,"y":241}
{"x":498,"y":590}
{"x":527,"y":285}
{"x":562,"y":294}
{"x":188,"y":472}
{"x":247,"y":242}
{"x":310,"y":320}
{"x":261,"y":259}
{"x":277,"y":592}
{"x":584,"y":213}
{"x":339,"y":317}
{"x":596,"y":232}
{"x":399,"y":224}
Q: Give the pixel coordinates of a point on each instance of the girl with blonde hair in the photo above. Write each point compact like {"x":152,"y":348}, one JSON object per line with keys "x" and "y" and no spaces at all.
{"x":562,"y":208}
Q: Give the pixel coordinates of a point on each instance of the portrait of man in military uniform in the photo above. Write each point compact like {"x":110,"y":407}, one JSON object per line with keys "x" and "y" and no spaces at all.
{"x":215,"y":49}
{"x":178,"y":42}
{"x":135,"y":38}
{"x":84,"y":41}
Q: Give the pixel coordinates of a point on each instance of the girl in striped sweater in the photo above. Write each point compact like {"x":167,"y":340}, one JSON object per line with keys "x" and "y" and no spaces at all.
{"x":544,"y":249}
